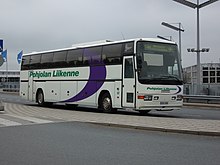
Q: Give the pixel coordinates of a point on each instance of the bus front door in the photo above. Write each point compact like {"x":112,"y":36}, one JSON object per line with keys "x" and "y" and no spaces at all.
{"x":128,"y":98}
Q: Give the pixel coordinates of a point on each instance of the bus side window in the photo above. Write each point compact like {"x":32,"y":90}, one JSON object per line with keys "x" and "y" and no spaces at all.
{"x":25,"y":63}
{"x":74,"y":57}
{"x":59,"y":59}
{"x":128,"y":48}
{"x":104,"y":59}
{"x":92,"y":56}
{"x":47,"y":60}
{"x":112,"y":54}
{"x":35,"y":61}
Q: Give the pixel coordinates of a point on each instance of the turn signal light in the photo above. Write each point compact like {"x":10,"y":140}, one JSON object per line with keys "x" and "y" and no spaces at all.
{"x":141,"y":97}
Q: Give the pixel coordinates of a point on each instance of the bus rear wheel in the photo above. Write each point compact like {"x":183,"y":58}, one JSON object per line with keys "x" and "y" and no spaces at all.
{"x":106,"y":103}
{"x":40,"y":98}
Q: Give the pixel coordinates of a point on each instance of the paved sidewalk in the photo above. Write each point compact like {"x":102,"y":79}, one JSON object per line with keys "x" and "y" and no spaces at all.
{"x":165,"y":124}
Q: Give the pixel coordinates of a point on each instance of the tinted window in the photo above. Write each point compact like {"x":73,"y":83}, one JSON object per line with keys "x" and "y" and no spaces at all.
{"x":205,"y":73}
{"x":205,"y":80}
{"x":92,"y":56}
{"x":47,"y":60}
{"x":59,"y":56}
{"x":59,"y":59}
{"x":212,"y":79}
{"x":128,"y":48}
{"x":212,"y":73}
{"x":129,"y":71}
{"x":25,"y":62}
{"x":74,"y":57}
{"x":111,"y":54}
{"x":35,"y":61}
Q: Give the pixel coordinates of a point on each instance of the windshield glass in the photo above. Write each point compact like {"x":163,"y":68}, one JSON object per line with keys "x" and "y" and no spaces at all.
{"x":158,"y":63}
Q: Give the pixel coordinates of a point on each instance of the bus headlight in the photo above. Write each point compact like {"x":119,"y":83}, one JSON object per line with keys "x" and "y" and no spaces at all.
{"x":156,"y":97}
{"x":173,"y":98}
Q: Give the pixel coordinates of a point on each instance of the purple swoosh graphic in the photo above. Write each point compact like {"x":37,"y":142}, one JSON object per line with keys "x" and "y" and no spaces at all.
{"x":96,"y":78}
{"x":179,"y":90}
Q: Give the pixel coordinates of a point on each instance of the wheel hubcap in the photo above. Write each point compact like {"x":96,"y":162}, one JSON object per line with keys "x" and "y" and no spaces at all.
{"x":107,"y":103}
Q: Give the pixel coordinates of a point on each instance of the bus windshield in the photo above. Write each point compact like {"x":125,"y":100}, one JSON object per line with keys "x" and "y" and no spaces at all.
{"x":158,"y":63}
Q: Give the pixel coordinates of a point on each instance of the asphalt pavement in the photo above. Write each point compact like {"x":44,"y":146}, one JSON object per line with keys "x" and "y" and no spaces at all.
{"x":69,"y":143}
{"x":164,"y":124}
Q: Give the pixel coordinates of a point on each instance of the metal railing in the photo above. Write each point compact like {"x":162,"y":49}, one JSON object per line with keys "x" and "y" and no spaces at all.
{"x":202,"y":99}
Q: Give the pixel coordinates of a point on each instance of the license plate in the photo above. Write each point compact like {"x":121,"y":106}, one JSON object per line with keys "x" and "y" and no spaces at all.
{"x":163,"y":103}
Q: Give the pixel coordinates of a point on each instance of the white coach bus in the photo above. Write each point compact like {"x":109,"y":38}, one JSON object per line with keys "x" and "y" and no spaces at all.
{"x":139,"y":74}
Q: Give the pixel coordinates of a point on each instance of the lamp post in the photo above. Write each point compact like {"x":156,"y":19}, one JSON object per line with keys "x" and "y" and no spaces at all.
{"x":197,"y":6}
{"x":179,"y":29}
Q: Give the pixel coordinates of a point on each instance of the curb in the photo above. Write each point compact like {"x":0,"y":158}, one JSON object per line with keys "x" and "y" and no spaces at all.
{"x":204,"y":133}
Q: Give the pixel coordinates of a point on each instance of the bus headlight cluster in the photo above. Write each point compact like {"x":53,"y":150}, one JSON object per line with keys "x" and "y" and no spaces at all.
{"x":173,"y":98}
{"x":156,"y":97}
{"x":148,"y":98}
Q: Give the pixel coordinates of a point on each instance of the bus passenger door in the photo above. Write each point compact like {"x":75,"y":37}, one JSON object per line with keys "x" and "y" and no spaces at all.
{"x":30,"y":87}
{"x":128,"y":86}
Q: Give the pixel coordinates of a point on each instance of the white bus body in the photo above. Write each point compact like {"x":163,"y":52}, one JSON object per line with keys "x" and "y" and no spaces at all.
{"x":139,"y":74}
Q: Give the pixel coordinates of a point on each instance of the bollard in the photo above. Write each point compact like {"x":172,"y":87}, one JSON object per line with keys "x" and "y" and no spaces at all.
{"x":1,"y":106}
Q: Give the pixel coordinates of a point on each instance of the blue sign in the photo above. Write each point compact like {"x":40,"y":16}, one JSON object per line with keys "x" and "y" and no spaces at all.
{"x":1,"y":45}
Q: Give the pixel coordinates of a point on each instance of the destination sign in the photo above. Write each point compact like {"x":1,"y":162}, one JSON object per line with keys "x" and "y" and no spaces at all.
{"x":159,"y":48}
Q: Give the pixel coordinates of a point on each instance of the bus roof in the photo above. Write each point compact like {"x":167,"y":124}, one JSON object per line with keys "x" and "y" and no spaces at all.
{"x":103,"y":42}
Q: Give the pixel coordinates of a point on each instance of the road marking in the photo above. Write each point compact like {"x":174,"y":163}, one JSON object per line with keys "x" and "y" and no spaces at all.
{"x":8,"y":122}
{"x":31,"y":119}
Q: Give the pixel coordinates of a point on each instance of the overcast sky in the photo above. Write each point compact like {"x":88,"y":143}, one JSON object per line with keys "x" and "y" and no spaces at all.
{"x":36,"y":25}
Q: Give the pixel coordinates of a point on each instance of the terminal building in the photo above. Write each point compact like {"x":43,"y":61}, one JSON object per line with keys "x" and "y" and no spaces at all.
{"x":210,"y":78}
{"x":9,"y":80}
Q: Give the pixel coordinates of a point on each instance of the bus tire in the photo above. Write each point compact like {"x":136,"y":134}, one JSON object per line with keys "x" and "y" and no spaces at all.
{"x":106,"y":103}
{"x":40,"y":98}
